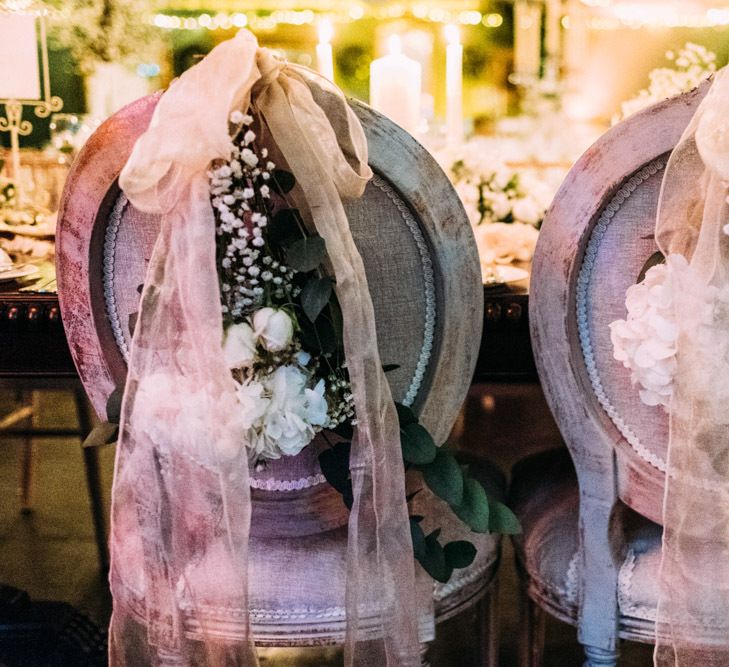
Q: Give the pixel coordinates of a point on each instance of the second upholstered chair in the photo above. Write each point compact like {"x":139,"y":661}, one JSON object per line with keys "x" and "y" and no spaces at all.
{"x":591,"y":546}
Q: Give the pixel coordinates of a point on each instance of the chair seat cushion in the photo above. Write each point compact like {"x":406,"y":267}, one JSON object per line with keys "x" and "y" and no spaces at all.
{"x":297,"y":584}
{"x":545,"y":496}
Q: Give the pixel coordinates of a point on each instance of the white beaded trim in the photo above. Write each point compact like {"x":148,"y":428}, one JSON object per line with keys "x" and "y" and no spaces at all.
{"x":572,"y":581}
{"x":583,"y":283}
{"x":287,"y":484}
{"x":112,"y":232}
{"x":428,"y":277}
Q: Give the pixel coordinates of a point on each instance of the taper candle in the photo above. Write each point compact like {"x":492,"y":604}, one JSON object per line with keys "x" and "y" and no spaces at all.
{"x":454,"y":86}
{"x":324,"y":54}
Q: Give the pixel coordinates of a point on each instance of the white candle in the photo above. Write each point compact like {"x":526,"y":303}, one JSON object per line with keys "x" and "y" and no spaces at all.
{"x":454,"y":86}
{"x":527,"y":39}
{"x":324,"y":55}
{"x":395,"y":86}
{"x":553,"y":31}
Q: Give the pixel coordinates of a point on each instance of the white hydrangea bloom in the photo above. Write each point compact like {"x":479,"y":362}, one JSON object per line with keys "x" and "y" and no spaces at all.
{"x":646,"y":342}
{"x":282,"y":414}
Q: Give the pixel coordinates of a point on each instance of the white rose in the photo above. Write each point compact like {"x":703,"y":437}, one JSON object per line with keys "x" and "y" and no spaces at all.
{"x":273,"y":328}
{"x":502,"y":178}
{"x":500,"y":205}
{"x":526,"y":210}
{"x":239,"y":346}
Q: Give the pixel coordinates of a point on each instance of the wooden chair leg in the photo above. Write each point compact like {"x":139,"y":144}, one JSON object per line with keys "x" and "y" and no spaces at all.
{"x":487,"y":618}
{"x":93,"y":481}
{"x":424,"y":647}
{"x":29,"y":399}
{"x":598,"y":657}
{"x":531,"y":643}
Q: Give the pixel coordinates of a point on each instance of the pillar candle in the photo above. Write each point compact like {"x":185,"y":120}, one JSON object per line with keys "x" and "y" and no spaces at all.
{"x":454,"y":86}
{"x":527,"y":38}
{"x":324,"y":55}
{"x":395,"y":86}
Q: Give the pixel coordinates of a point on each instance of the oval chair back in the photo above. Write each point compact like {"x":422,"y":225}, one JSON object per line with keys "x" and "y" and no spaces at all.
{"x":595,"y":242}
{"x":423,"y":271}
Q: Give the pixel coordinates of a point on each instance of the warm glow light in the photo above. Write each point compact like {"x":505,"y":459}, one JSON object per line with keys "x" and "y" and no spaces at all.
{"x":493,"y":20}
{"x":325,"y":31}
{"x":452,"y":34}
{"x":394,"y":45}
{"x":470,"y":18}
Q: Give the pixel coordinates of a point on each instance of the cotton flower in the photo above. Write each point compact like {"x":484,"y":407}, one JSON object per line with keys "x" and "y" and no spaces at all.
{"x":273,"y":328}
{"x":239,"y":347}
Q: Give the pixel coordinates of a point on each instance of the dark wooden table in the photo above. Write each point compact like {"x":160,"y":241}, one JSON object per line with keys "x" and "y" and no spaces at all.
{"x":33,"y":344}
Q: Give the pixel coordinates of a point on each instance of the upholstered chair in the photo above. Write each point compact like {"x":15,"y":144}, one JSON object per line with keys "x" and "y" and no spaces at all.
{"x":423,"y":271}
{"x":591,"y":542}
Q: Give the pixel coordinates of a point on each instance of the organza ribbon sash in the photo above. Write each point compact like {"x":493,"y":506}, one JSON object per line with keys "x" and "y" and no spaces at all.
{"x":692,"y":625}
{"x":181,"y":500}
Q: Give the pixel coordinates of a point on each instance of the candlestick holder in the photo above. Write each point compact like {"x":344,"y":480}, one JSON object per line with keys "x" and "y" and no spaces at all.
{"x":26,"y":44}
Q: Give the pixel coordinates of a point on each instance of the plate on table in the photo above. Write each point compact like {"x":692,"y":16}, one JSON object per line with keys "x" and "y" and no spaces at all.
{"x":38,"y":230}
{"x":17,"y":271}
{"x":493,"y":276}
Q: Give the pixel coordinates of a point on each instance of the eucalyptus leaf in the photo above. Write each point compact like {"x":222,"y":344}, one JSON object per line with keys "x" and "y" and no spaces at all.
{"x":502,"y":520}
{"x":433,"y":560}
{"x":334,"y":464}
{"x":344,"y":430}
{"x":444,"y":477}
{"x":315,"y":296}
{"x":459,"y":554}
{"x":417,"y":444}
{"x":306,"y":254}
{"x":132,"y":322}
{"x":654,"y":260}
{"x":113,"y":405}
{"x":282,"y":181}
{"x":405,"y":415}
{"x":474,"y":510}
{"x":418,"y":538}
{"x":102,"y":434}
{"x":286,"y":226}
{"x":319,"y":336}
{"x":337,"y":320}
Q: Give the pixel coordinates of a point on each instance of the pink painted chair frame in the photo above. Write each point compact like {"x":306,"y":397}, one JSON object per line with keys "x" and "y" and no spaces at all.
{"x":90,"y":193}
{"x":608,"y":469}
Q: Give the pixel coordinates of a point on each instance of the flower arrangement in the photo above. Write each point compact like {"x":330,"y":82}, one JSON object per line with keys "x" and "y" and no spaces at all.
{"x":101,"y":30}
{"x":283,"y":344}
{"x":692,"y":65}
{"x":493,"y":192}
{"x":506,"y":206}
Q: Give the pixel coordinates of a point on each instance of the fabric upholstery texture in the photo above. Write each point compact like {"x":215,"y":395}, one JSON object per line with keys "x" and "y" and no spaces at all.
{"x":297,"y":599}
{"x":545,"y":497}
{"x":623,"y":247}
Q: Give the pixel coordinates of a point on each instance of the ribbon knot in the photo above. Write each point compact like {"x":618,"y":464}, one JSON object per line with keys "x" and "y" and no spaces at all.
{"x":269,"y":66}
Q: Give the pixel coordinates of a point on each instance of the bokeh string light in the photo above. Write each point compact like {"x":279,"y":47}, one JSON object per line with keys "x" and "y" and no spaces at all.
{"x":261,"y":21}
